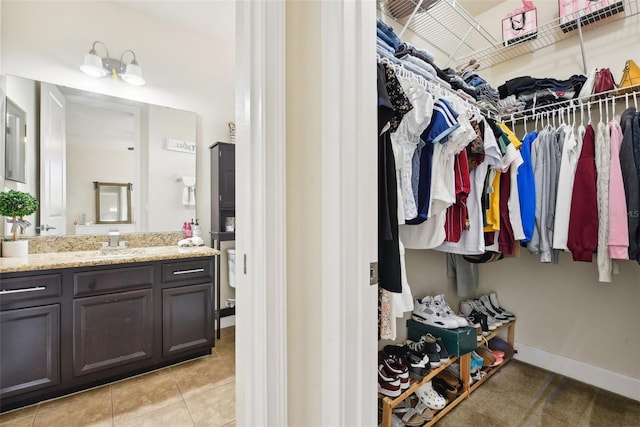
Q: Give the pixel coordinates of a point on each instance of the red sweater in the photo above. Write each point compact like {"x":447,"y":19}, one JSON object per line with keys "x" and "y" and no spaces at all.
{"x":583,"y":218}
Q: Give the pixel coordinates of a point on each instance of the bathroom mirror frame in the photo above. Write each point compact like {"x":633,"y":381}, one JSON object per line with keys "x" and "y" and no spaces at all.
{"x":113,"y":202}
{"x":15,"y":142}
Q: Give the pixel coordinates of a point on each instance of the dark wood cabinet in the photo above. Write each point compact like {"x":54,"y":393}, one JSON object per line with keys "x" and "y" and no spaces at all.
{"x":223,"y":184}
{"x":29,"y":349}
{"x":68,"y":329}
{"x":112,"y":330}
{"x":187,"y":318}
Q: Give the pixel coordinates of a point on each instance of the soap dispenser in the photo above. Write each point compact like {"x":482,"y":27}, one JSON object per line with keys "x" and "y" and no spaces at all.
{"x":186,"y":230}
{"x":195,"y":228}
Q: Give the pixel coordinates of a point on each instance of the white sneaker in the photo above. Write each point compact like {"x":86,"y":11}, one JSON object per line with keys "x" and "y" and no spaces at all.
{"x":439,"y":302}
{"x":486,"y":303}
{"x":493,"y":298}
{"x":425,"y":311}
{"x":490,"y":319}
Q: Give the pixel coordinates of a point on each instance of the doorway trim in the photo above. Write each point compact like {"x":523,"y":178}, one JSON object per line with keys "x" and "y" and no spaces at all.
{"x":261,"y":332}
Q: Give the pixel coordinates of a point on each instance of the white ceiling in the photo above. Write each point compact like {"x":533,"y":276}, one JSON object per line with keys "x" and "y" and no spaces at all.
{"x":211,"y":18}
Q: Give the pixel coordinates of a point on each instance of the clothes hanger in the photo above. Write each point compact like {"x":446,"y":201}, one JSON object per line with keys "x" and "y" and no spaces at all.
{"x":600,"y":109}
{"x":626,"y":101}
{"x":589,"y":111}
{"x":535,"y":118}
{"x":606,"y":106}
{"x":613,"y":109}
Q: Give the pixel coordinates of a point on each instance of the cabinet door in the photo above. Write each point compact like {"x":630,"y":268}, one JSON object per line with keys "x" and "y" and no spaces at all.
{"x":112,"y":330}
{"x":187,"y":318}
{"x":228,"y":177}
{"x":29,"y":349}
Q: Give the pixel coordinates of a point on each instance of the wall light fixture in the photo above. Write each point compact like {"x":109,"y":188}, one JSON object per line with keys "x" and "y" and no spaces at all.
{"x":97,"y":66}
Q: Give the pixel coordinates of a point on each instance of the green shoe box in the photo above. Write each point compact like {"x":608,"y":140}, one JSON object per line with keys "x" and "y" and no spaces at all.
{"x":456,"y":341}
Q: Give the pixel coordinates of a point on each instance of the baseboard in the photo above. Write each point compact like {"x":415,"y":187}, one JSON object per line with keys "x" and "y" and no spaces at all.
{"x":227,"y":321}
{"x":608,"y":380}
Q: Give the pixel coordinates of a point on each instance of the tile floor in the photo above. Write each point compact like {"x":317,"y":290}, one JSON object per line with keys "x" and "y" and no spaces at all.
{"x":197,"y":393}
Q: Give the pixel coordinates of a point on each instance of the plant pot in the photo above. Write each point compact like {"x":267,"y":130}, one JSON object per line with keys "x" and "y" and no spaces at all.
{"x":15,"y":248}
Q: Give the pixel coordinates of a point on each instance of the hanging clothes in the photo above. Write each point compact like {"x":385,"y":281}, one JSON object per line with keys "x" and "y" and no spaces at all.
{"x":568,"y":163}
{"x":527,"y":188}
{"x":583,"y":219}
{"x":618,"y":239}
{"x":631,"y":180}
{"x":392,"y":104}
{"x":603,"y":161}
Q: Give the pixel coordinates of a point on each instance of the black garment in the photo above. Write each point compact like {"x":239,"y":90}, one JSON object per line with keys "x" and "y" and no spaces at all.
{"x":392,"y":105}
{"x":395,"y":93}
{"x":388,"y":243}
{"x":385,"y":109}
{"x":630,"y":180}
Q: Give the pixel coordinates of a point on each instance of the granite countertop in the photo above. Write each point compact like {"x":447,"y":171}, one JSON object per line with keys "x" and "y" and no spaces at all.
{"x":53,"y":260}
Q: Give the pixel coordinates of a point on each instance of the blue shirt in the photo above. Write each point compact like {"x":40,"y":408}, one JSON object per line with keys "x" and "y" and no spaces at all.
{"x":527,"y":187}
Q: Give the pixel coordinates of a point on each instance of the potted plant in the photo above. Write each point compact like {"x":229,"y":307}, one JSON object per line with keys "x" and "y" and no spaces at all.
{"x":15,"y":205}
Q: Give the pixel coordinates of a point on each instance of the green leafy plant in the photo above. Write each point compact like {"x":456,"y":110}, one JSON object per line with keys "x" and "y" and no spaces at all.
{"x":17,"y":205}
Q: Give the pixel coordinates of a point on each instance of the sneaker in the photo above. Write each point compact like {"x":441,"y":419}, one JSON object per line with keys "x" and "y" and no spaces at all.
{"x":430,"y":348}
{"x":388,"y":385}
{"x":467,"y":308}
{"x":490,"y":319}
{"x":425,"y":311}
{"x":486,"y":303}
{"x":396,"y":369}
{"x":442,"y":350}
{"x":493,"y":297}
{"x":439,"y":302}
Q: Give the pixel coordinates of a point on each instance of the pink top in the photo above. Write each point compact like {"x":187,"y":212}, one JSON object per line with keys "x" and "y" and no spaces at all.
{"x":618,"y":225}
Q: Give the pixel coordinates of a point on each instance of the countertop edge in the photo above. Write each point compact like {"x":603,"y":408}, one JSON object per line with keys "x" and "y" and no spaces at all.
{"x":62,"y":260}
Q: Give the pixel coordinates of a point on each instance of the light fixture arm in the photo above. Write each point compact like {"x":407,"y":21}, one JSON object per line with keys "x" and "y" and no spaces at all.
{"x":93,"y":48}
{"x":133,"y":61}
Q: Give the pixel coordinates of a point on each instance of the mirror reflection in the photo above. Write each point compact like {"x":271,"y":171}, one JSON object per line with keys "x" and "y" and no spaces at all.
{"x":15,"y":140}
{"x":113,"y":203}
{"x":83,"y":137}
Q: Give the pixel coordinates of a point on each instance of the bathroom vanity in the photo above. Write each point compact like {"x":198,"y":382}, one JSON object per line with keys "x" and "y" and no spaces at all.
{"x":74,"y":320}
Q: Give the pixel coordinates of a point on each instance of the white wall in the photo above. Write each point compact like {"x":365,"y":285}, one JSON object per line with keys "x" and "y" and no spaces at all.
{"x":562,"y":309}
{"x":184,"y":69}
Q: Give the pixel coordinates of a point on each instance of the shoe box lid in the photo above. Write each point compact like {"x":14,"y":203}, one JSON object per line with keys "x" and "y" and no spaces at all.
{"x":457,"y":341}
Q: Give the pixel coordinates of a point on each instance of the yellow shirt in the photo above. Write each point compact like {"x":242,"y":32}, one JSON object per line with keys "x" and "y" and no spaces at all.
{"x":512,"y":137}
{"x":493,"y":210}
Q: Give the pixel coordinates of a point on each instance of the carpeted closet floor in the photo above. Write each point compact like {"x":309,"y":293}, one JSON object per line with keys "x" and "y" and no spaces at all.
{"x":524,"y":395}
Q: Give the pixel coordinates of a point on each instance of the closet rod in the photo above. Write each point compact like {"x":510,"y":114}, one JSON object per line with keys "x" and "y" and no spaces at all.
{"x":570,"y":103}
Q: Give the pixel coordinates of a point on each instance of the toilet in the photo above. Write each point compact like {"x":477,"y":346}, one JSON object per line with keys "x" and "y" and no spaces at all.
{"x":231,"y":259}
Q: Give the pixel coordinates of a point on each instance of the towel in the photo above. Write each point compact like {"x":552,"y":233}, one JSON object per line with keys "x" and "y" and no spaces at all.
{"x":191,"y":241}
{"x":189,"y":191}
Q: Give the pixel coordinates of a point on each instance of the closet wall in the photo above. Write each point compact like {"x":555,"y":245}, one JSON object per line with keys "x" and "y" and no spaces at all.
{"x":568,"y":322}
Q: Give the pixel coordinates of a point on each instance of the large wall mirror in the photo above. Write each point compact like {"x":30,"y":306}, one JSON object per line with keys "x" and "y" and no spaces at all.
{"x":82,"y":137}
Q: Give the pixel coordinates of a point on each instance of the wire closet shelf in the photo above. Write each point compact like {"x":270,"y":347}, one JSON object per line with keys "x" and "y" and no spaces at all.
{"x":448,"y":27}
{"x":601,"y":100}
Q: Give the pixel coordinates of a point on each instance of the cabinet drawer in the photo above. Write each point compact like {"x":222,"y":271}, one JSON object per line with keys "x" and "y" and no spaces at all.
{"x":116,"y":279}
{"x":30,"y":288}
{"x":187,"y":270}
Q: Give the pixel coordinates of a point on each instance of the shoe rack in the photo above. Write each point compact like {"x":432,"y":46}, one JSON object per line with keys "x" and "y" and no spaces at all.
{"x":388,"y":403}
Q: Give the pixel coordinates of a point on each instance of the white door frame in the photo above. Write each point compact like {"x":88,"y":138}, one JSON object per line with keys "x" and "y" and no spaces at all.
{"x":349,"y":214}
{"x":261,"y":337}
{"x":349,"y":211}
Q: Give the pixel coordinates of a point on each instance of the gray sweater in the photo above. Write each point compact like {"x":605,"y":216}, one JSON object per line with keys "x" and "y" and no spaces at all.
{"x":630,"y":179}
